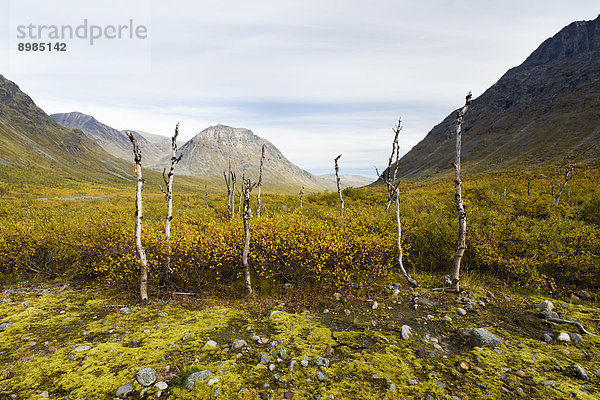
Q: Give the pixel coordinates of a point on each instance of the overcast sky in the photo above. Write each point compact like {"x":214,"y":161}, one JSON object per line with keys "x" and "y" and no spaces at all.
{"x":316,"y":78}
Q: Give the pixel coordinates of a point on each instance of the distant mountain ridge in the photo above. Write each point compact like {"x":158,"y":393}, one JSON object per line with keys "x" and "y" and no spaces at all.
{"x":210,"y":152}
{"x":113,"y":141}
{"x":543,"y":111}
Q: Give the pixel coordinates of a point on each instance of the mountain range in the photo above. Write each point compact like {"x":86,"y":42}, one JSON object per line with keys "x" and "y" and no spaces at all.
{"x":544,"y":111}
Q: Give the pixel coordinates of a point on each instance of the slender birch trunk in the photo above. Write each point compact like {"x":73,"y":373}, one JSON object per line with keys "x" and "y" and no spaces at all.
{"x":187,"y":205}
{"x":233,"y":181}
{"x":339,"y":189}
{"x":260,"y":172}
{"x":137,"y":157}
{"x":247,"y":214}
{"x":168,"y":179}
{"x":460,"y":208}
{"x":391,"y":178}
{"x":413,"y":282}
{"x":227,"y":176}
{"x":301,"y":196}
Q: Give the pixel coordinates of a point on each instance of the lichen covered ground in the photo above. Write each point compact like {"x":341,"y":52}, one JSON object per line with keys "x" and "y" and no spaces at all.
{"x":61,"y":340}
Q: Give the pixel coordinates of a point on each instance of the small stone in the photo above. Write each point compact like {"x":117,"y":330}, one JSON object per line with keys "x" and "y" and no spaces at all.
{"x":211,"y":343}
{"x":321,"y":376}
{"x":126,"y":310}
{"x":326,"y":311}
{"x":520,"y":373}
{"x":481,"y":385}
{"x":146,"y":376}
{"x":255,"y":338}
{"x":374,"y":306}
{"x":564,"y":337}
{"x":264,"y":340}
{"x":406,"y":332}
{"x":163,"y":314}
{"x":272,"y":367}
{"x":44,"y":394}
{"x":282,"y":352}
{"x":197,"y":376}
{"x":545,"y":305}
{"x":548,"y":383}
{"x":392,"y":387}
{"x":346,"y":311}
{"x":463,"y":365}
{"x":413,"y":382}
{"x":5,"y":325}
{"x":161,"y":385}
{"x":273,"y":313}
{"x":461,"y":311}
{"x":548,"y":314}
{"x":441,"y":384}
{"x":83,"y":348}
{"x":483,"y":337}
{"x":288,"y":395}
{"x":580,"y":372}
{"x":124,"y":390}
{"x":264,"y":358}
{"x":293,"y":364}
{"x":322,"y":362}
{"x":288,"y":286}
{"x":547,"y":337}
{"x":576,"y":337}
{"x":238,"y":344}
{"x":212,"y":381}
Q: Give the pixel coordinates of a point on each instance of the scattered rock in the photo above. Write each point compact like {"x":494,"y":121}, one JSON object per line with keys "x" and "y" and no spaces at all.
{"x":461,"y":311}
{"x":549,"y":314}
{"x":282,"y":352}
{"x":288,"y":286}
{"x":576,"y":337}
{"x":5,"y":325}
{"x":564,"y":337}
{"x":520,"y":373}
{"x":580,"y":373}
{"x":392,"y":387}
{"x":44,"y":394}
{"x":163,"y":314}
{"x":264,"y":358}
{"x":126,"y":310}
{"x":463,"y":365}
{"x":413,"y":382}
{"x":545,"y":305}
{"x":374,"y":306}
{"x":483,"y":337}
{"x":273,"y":313}
{"x":321,"y":376}
{"x":322,"y":362}
{"x":547,"y":337}
{"x":441,"y":384}
{"x":288,"y":395}
{"x":211,"y":343}
{"x":406,"y":332}
{"x":347,"y":312}
{"x":161,"y":385}
{"x":548,"y":383}
{"x":27,"y":304}
{"x":212,"y":381}
{"x":304,"y":361}
{"x":83,"y":348}
{"x":238,"y":344}
{"x":124,"y":390}
{"x":197,"y":376}
{"x":146,"y":376}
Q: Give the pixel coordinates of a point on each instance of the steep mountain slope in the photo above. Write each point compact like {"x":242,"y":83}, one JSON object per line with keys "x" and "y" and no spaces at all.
{"x":543,"y":111}
{"x":210,"y":151}
{"x":113,"y":141}
{"x":35,"y":150}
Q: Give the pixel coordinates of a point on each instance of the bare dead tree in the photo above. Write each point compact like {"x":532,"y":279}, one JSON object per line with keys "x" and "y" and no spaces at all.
{"x":560,"y":186}
{"x":529,"y":179}
{"x":260,"y":172}
{"x":247,"y":187}
{"x":411,"y":281}
{"x":187,"y":205}
{"x":137,"y":158}
{"x":241,"y":200}
{"x":337,"y":180}
{"x":233,"y":182}
{"x":168,"y":179}
{"x":390,"y":178}
{"x":230,"y":182}
{"x":460,"y":208}
{"x":301,"y":194}
{"x":206,"y":195}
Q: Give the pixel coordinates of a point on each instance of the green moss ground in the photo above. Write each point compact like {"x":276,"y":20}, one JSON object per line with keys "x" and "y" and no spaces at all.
{"x":366,"y":352}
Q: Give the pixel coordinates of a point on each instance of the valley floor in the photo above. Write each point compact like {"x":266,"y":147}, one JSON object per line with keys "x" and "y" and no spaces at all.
{"x":61,"y":340}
